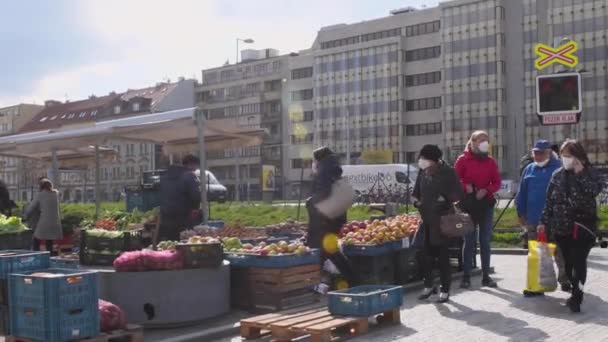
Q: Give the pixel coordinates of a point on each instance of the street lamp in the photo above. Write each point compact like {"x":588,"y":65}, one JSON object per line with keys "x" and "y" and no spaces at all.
{"x":237,"y":152}
{"x":246,"y":41}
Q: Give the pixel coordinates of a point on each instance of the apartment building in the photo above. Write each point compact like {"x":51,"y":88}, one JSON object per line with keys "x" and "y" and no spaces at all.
{"x":253,"y":92}
{"x":378,"y":87}
{"x":17,"y":173}
{"x":131,"y":158}
{"x":415,"y":77}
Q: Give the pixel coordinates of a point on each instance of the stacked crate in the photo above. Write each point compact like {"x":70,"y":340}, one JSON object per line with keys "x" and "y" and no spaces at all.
{"x":16,"y":261}
{"x":54,"y":305}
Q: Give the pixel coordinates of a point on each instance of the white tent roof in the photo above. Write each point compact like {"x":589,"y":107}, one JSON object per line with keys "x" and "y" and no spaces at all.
{"x":176,"y":127}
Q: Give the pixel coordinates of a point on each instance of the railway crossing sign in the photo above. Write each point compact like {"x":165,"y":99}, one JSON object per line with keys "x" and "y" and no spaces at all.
{"x":558,"y":98}
{"x":563,"y":55}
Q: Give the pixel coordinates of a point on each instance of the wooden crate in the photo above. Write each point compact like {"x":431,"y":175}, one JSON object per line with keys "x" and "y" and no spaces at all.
{"x":317,"y":323}
{"x":272,"y":289}
{"x":133,"y":333}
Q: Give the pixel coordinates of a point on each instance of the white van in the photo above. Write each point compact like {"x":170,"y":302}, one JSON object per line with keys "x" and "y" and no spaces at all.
{"x":393,"y":176}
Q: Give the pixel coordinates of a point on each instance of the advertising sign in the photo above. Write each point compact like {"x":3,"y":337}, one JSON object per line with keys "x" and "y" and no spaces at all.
{"x":268,"y":178}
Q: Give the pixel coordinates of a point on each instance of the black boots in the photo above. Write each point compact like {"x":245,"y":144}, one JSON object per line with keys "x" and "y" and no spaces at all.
{"x":487,"y":281}
{"x":575,"y":301}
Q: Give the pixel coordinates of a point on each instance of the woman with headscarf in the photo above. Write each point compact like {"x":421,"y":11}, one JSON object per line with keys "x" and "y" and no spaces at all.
{"x":570,"y":215}
{"x":480,"y":178}
{"x":437,"y":189}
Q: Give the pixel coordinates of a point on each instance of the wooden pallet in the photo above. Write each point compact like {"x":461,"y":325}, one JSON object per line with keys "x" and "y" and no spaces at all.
{"x":133,"y":333}
{"x":317,"y":323}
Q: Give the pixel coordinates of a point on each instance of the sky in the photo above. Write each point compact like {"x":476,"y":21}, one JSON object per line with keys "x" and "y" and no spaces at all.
{"x":70,"y":49}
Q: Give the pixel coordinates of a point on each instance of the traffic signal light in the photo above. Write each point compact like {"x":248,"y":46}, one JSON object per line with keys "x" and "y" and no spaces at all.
{"x":559,"y":94}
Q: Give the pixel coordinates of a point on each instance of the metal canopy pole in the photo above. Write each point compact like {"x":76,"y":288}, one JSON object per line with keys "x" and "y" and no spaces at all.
{"x":54,"y":174}
{"x":97,"y":183}
{"x":203,"y":166}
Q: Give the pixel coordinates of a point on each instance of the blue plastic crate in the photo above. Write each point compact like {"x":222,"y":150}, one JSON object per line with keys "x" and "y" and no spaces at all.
{"x":274,"y":261}
{"x":365,"y":301}
{"x":69,"y":289}
{"x":15,"y":261}
{"x":55,"y":325}
{"x":71,"y":264}
{"x":374,"y":250}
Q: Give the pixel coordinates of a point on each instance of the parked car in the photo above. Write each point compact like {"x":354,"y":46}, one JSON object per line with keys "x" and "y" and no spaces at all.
{"x":215,"y":190}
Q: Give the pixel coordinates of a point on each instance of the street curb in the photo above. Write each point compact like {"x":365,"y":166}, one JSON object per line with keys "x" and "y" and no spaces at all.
{"x":509,"y":251}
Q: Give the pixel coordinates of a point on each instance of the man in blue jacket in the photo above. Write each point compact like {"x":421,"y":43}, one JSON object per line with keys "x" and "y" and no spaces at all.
{"x":530,"y":200}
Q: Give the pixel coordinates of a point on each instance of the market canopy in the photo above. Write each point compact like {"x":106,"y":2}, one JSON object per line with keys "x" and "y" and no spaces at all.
{"x":173,"y":128}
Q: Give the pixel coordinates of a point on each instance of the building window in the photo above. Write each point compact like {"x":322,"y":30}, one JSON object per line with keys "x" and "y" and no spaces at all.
{"x":422,"y":54}
{"x":302,"y":139}
{"x":423,"y":129}
{"x":302,"y":95}
{"x":423,"y":104}
{"x":136,"y":107}
{"x":308,"y":116}
{"x":381,"y":34}
{"x":424,"y":28}
{"x":340,"y":42}
{"x":117,"y":109}
{"x":422,"y":79}
{"x":71,"y":116}
{"x":411,"y":157}
{"x":297,"y":74}
{"x":301,"y":163}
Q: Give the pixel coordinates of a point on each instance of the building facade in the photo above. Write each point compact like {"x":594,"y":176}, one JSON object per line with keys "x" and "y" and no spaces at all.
{"x":254,"y":94}
{"x":131,"y":158}
{"x":16,"y":173}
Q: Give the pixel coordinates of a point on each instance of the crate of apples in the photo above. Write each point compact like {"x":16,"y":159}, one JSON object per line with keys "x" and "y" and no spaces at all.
{"x":379,"y":231}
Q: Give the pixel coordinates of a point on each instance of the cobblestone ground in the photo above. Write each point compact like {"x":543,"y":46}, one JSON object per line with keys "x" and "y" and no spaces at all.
{"x":503,"y":314}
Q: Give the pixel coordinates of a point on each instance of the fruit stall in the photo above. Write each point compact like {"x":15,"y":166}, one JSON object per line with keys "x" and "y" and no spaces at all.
{"x":379,"y":250}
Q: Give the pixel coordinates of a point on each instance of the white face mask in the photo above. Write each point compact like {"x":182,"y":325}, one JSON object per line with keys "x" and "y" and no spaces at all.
{"x":568,"y":163}
{"x":484,"y":147}
{"x":423,"y":164}
{"x":542,"y":164}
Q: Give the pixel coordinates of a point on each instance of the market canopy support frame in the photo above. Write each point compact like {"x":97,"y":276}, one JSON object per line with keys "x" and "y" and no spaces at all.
{"x":179,"y":127}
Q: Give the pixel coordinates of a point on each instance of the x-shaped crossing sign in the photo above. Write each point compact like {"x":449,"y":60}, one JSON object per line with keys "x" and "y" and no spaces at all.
{"x":563,"y":55}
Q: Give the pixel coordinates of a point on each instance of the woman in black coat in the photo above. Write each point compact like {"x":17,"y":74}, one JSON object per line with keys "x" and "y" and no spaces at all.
{"x":437,"y":188}
{"x":326,"y":171}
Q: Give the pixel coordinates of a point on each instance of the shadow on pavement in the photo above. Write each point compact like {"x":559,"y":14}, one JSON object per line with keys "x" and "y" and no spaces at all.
{"x":553,"y":307}
{"x":596,"y":265}
{"x":494,"y":322}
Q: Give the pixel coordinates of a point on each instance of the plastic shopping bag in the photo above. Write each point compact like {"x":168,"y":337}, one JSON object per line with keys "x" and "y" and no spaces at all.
{"x":541,"y":271}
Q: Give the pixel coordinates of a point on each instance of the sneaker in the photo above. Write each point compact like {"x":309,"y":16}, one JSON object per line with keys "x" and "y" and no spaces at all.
{"x":427,"y":293}
{"x":529,"y":294}
{"x":444,"y":297}
{"x":321,"y":289}
{"x":465,"y":283}
{"x":488,"y":282}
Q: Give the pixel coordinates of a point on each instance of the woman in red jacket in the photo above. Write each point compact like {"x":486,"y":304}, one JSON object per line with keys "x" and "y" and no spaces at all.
{"x":480,"y":178}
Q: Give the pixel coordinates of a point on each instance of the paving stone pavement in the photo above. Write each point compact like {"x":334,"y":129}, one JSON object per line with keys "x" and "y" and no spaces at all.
{"x":503,"y":314}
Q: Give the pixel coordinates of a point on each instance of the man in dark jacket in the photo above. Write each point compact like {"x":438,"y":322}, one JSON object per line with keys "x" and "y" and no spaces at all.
{"x":180,"y":195}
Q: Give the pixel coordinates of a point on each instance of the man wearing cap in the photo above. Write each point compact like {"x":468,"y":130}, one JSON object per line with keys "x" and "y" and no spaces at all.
{"x":530,"y":200}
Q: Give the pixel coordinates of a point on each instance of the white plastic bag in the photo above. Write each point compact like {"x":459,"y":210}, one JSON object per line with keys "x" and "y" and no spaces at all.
{"x":339,"y":201}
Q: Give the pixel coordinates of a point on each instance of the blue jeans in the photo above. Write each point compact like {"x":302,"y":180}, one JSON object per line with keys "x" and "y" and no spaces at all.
{"x":485,"y":238}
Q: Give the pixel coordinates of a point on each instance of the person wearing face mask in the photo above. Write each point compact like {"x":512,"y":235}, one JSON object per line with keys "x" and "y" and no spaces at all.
{"x":530,"y":200}
{"x":437,"y":188}
{"x":326,"y":171}
{"x":480,"y":178}
{"x":570,"y":215}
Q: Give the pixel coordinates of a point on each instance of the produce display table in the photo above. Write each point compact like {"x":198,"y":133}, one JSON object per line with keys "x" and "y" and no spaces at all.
{"x":168,"y":298}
